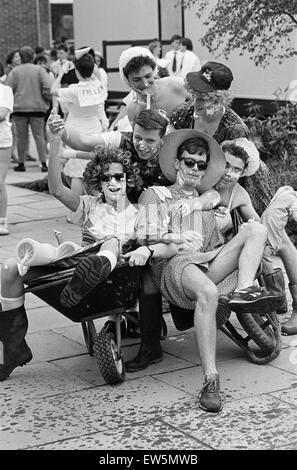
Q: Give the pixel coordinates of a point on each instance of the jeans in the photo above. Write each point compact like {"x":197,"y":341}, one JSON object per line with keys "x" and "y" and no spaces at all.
{"x":37,"y":127}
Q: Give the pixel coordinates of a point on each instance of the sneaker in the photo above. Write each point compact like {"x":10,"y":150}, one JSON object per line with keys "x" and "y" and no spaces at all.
{"x":253,"y":299}
{"x":4,"y":228}
{"x":44,"y":167}
{"x":20,"y":167}
{"x":144,"y":358}
{"x":209,"y":397}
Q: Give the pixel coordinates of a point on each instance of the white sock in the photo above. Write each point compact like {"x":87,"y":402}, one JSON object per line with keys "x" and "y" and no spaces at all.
{"x":10,"y":303}
{"x":110,"y":255}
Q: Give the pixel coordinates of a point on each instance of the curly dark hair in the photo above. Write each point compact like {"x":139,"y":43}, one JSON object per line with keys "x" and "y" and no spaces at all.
{"x":101,"y":158}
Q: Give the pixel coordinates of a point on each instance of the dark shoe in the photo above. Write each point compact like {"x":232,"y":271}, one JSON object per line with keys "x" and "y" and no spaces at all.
{"x":28,"y":158}
{"x":88,"y":274}
{"x":110,"y":327}
{"x":14,"y":350}
{"x":20,"y":167}
{"x":209,"y":398}
{"x":144,"y":358}
{"x":44,"y":167}
{"x":253,"y":299}
{"x":290,"y":326}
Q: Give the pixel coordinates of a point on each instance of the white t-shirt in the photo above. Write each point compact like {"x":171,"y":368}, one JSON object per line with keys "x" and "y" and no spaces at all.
{"x":6,"y":101}
{"x":100,"y":221}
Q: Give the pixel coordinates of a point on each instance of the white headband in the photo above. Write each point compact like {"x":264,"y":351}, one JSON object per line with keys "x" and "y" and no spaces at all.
{"x":253,"y":154}
{"x":129,"y":54}
{"x":80,"y":52}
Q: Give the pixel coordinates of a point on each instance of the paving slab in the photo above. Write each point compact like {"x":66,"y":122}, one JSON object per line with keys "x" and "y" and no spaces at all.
{"x":128,"y":403}
{"x":48,"y":346}
{"x":48,"y":380}
{"x":235,"y":384}
{"x":259,"y":422}
{"x":33,"y":423}
{"x":46,"y":318}
{"x":158,"y":436}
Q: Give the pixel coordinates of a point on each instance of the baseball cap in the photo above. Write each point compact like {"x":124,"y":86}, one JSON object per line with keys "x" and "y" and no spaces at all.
{"x":212,"y":76}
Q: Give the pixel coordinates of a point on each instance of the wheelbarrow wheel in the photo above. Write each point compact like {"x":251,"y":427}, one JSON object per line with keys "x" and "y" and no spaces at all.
{"x":109,"y":359}
{"x":259,"y":331}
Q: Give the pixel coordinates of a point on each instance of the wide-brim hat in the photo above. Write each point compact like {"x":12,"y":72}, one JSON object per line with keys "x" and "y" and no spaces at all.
{"x":168,"y":154}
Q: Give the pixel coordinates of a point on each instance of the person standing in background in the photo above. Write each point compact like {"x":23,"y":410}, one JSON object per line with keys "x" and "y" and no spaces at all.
{"x":6,"y":107}
{"x":31,"y":85}
{"x":62,"y":64}
{"x":174,"y":56}
{"x":189,"y":62}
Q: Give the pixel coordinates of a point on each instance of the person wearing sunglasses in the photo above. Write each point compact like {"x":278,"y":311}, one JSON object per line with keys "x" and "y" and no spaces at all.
{"x":195,"y":276}
{"x":141,"y":147}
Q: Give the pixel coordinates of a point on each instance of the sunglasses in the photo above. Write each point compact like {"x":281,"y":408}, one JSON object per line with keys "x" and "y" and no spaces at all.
{"x":190,"y":163}
{"x":117,"y":176}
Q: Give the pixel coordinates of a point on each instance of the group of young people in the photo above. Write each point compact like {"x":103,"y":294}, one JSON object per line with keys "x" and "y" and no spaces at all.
{"x":184,"y":174}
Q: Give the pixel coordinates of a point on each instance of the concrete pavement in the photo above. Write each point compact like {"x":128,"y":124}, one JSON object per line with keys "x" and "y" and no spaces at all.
{"x":60,"y":401}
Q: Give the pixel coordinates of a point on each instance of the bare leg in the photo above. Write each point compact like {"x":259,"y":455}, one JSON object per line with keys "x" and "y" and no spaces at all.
{"x":244,"y":252}
{"x":12,"y":287}
{"x":199,"y":287}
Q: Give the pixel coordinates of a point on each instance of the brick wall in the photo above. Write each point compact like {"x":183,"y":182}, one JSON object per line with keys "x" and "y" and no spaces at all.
{"x":19,"y":27}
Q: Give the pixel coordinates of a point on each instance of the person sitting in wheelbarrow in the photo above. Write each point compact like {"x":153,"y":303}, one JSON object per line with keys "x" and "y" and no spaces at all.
{"x":108,"y":218}
{"x":191,"y":160}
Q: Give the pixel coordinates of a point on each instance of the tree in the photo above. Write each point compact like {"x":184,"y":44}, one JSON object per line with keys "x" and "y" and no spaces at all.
{"x":260,"y":27}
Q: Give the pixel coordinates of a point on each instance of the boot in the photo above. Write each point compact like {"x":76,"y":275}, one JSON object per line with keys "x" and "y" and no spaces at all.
{"x":150,"y":319}
{"x":275,"y":283}
{"x":15,"y":351}
{"x":290,"y":326}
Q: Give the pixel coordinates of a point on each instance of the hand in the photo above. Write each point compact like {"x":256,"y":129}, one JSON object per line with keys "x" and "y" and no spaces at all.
{"x":185,"y":207}
{"x":66,"y":154}
{"x":189,"y":239}
{"x":55,"y":123}
{"x":137,"y":257}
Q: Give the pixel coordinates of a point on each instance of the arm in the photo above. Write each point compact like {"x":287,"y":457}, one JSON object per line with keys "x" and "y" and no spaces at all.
{"x":206,"y":201}
{"x":68,"y":197}
{"x":45,"y":84}
{"x":57,"y":84}
{"x":3,"y":112}
{"x":243,"y":201}
{"x":140,"y":256}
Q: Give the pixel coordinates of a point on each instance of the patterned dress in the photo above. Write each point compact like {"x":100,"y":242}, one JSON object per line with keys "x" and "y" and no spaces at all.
{"x":260,"y":186}
{"x":158,"y":217}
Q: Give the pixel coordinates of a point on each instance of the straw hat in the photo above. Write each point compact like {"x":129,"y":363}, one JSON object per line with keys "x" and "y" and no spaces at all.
{"x":168,"y":155}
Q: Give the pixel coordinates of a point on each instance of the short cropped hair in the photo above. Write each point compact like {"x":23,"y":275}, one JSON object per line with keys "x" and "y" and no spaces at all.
{"x":188,"y":43}
{"x":135,"y":64}
{"x":26,"y":54}
{"x":175,"y":37}
{"x":152,"y":119}
{"x":192,"y":146}
{"x":236,"y":151}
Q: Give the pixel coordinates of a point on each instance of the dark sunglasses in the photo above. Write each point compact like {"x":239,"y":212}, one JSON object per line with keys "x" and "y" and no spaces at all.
{"x":190,"y":163}
{"x":117,"y":176}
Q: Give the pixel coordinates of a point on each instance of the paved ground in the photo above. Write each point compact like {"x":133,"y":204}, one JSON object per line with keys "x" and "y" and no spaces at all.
{"x":60,"y":400}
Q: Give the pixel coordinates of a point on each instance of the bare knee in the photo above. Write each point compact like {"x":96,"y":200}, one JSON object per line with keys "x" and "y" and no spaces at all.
{"x":206,"y":295}
{"x":256,"y":231}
